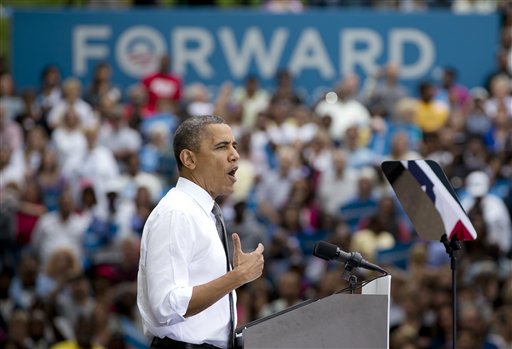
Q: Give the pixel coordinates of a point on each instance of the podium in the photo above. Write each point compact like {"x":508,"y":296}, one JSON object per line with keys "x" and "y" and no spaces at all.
{"x":342,"y":321}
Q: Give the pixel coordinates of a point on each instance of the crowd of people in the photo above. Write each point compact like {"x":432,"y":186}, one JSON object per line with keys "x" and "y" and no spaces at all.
{"x":81,"y":168}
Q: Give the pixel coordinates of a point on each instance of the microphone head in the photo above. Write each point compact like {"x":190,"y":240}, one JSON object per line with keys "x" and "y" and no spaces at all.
{"x":325,"y":250}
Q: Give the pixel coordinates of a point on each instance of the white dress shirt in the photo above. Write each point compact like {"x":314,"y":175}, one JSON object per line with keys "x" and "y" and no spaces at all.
{"x":180,"y":249}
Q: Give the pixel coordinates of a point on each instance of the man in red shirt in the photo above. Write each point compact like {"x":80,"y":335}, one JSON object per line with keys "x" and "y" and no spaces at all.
{"x":162,"y":85}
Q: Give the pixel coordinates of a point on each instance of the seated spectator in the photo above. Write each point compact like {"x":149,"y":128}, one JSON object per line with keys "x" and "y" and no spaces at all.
{"x":478,"y":122}
{"x":10,"y":102}
{"x":498,"y":139}
{"x":135,"y":177}
{"x":430,"y":115}
{"x":499,"y":98}
{"x":29,"y":284}
{"x":197,"y":100}
{"x":71,"y":100}
{"x":358,"y":155}
{"x":288,"y":293}
{"x":275,"y":186}
{"x":11,"y":134}
{"x":62,"y":228}
{"x":126,"y":317}
{"x":31,"y":115}
{"x":35,"y":145}
{"x":144,"y":204}
{"x":364,"y":204}
{"x":50,"y":179}
{"x":30,"y":209}
{"x":17,"y":330}
{"x":68,"y":139}
{"x":337,"y":184}
{"x":96,"y":165}
{"x":116,"y":135}
{"x":12,"y":168}
{"x":81,"y":335}
{"x":50,"y":92}
{"x":401,"y":148}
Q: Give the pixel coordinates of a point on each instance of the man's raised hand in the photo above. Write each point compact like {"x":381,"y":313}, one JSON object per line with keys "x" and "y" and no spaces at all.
{"x":248,"y":265}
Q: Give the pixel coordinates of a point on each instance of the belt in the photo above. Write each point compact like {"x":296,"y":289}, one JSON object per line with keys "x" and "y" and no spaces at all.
{"x":170,"y":343}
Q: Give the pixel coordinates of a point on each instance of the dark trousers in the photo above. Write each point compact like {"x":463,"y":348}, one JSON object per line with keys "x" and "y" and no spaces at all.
{"x":168,"y":343}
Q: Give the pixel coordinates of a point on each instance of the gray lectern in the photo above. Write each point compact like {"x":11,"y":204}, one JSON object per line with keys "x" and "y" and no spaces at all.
{"x":337,"y":321}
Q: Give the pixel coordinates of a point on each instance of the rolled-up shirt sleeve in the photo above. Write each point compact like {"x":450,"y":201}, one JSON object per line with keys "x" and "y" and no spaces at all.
{"x":169,"y":250}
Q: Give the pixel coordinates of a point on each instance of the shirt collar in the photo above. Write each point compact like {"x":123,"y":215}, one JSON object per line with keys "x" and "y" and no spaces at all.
{"x":201,"y":196}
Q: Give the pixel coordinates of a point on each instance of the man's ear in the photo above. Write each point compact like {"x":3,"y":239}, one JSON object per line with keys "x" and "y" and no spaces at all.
{"x":188,"y":159}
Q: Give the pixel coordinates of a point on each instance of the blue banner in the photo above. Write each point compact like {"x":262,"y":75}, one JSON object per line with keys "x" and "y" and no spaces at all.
{"x":213,"y":46}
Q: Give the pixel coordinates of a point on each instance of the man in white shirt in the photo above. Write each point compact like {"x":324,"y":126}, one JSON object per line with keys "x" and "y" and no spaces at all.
{"x":185,"y":293}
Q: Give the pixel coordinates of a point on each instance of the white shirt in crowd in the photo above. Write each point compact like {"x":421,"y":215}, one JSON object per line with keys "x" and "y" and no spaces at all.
{"x":82,"y":108}
{"x":51,"y":233}
{"x":180,"y":249}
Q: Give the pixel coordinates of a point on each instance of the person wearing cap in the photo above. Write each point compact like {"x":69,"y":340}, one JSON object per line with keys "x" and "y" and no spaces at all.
{"x":494,"y":210}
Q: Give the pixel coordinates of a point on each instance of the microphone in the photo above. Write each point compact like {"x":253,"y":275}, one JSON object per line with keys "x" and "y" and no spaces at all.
{"x":329,"y":251}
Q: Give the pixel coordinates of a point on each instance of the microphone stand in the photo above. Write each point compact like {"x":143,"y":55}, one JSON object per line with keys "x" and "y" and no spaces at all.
{"x":353,"y":262}
{"x":451,"y":247}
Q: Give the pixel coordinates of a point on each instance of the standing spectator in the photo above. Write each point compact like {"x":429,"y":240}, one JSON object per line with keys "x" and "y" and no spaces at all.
{"x":452,"y":93}
{"x":285,"y":90}
{"x":252,"y":98}
{"x":385,"y":89}
{"x":495,"y":213}
{"x":343,"y":110}
{"x":101,"y":86}
{"x":162,"y":85}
